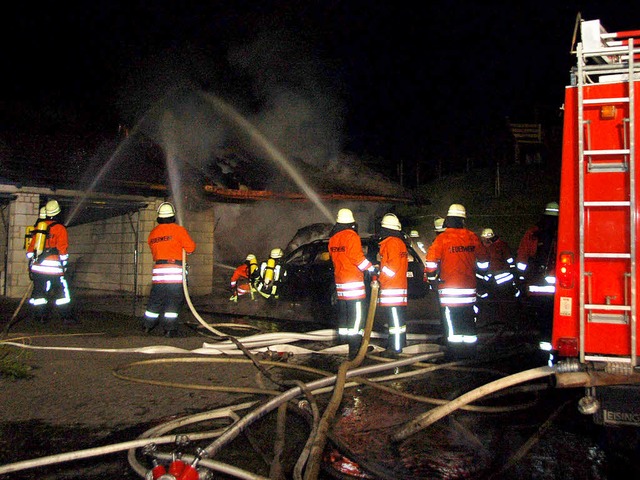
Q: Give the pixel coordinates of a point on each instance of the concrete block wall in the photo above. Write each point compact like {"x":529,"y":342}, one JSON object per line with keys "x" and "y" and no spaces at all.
{"x":102,"y":254}
{"x":22,"y":213}
{"x":200,"y":226}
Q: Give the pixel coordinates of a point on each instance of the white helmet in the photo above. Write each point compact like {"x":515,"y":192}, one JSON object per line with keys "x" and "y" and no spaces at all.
{"x":166,"y":210}
{"x":391,"y":222}
{"x":551,"y":209}
{"x":457,"y":210}
{"x":487,"y":233}
{"x":438,"y":224}
{"x":276,"y":253}
{"x":43,"y":213}
{"x":414,"y":234}
{"x":345,"y":216}
{"x":52,"y":208}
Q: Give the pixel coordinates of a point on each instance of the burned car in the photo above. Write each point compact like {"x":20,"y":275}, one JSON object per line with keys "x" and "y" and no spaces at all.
{"x":310,"y":274}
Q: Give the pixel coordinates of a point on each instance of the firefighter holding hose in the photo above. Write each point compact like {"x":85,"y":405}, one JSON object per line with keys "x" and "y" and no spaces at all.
{"x":453,"y":259}
{"x":48,"y":256}
{"x":166,"y":240}
{"x":349,"y":265}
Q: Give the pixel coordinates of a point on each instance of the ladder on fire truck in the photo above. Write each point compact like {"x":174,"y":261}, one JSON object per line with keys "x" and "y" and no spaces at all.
{"x":607,"y":57}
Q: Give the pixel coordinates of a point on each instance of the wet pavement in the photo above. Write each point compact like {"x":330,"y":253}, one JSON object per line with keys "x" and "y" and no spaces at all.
{"x":533,"y":432}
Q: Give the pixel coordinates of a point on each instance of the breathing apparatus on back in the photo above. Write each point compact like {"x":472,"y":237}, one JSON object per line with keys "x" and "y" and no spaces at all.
{"x":252,"y":261}
{"x":270,"y":274}
{"x":40,"y":237}
{"x":41,"y":232}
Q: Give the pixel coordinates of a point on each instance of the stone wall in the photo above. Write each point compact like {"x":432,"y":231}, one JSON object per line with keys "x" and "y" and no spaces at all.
{"x":22,"y":213}
{"x":105,"y":255}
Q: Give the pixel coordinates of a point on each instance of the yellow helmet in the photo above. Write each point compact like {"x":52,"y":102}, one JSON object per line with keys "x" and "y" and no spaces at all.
{"x":276,"y":253}
{"x":438,"y":224}
{"x":551,"y":209}
{"x":250,"y":257}
{"x":166,"y":210}
{"x":414,"y":234}
{"x":43,"y":213}
{"x":391,"y":222}
{"x":52,"y":208}
{"x":457,"y":210}
{"x":345,"y":216}
{"x":487,"y":233}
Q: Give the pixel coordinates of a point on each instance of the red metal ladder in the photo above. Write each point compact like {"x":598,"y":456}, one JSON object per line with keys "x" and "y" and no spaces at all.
{"x":607,"y":57}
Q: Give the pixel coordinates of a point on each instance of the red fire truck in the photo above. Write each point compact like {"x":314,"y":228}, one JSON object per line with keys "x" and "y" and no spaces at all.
{"x":595,"y":326}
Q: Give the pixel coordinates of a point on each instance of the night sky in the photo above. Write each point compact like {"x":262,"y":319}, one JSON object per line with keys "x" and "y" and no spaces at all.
{"x":411,"y":80}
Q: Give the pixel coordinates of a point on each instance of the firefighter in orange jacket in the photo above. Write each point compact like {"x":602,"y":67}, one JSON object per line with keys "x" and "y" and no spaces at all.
{"x":48,"y":256}
{"x":241,"y":278}
{"x":536,"y":261}
{"x":349,"y":265}
{"x":499,"y":278}
{"x":537,"y":253}
{"x":394,"y":264}
{"x":166,"y":240}
{"x":452,"y":261}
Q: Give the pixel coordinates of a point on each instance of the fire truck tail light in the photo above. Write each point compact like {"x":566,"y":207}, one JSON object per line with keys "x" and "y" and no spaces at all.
{"x":568,"y":347}
{"x":564,"y":272}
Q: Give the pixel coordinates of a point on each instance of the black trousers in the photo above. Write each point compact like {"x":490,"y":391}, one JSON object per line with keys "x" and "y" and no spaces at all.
{"x":165,"y":302}
{"x":50,"y":292}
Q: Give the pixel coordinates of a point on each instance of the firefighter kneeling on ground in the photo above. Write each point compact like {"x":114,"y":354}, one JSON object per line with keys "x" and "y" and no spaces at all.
{"x":241,"y":280}
{"x":48,"y":257}
{"x":271,"y":276}
{"x":452,"y":261}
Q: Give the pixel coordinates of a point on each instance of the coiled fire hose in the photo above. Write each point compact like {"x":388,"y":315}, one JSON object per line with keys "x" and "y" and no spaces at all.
{"x":217,"y":332}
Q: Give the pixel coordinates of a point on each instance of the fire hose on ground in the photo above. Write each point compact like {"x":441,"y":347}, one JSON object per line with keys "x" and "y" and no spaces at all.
{"x":319,"y":443}
{"x":426,"y":419}
{"x":232,"y":431}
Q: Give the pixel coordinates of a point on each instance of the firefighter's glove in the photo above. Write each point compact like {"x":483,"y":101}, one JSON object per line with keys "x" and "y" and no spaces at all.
{"x":233,"y":298}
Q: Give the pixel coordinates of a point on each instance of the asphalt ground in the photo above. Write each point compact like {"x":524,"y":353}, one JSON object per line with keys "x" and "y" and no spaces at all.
{"x":73,"y":400}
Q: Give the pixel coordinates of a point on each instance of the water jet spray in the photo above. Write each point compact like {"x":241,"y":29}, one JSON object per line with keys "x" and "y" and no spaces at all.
{"x":267,"y":147}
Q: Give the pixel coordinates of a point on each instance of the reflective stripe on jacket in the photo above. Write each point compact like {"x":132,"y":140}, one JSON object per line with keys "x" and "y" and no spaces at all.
{"x":57,"y":241}
{"x":394,"y":263}
{"x":457,"y":253}
{"x":349,"y":263}
{"x":500,"y":257}
{"x":167,"y":241}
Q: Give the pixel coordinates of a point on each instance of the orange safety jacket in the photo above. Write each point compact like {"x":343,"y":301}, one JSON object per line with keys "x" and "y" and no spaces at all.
{"x":528,"y":247}
{"x":541,"y":277}
{"x":455,"y":255}
{"x":349,"y":263}
{"x":500,"y":258}
{"x":55,"y":255}
{"x":394,"y":263}
{"x":167,"y":240}
{"x":240,"y":280}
